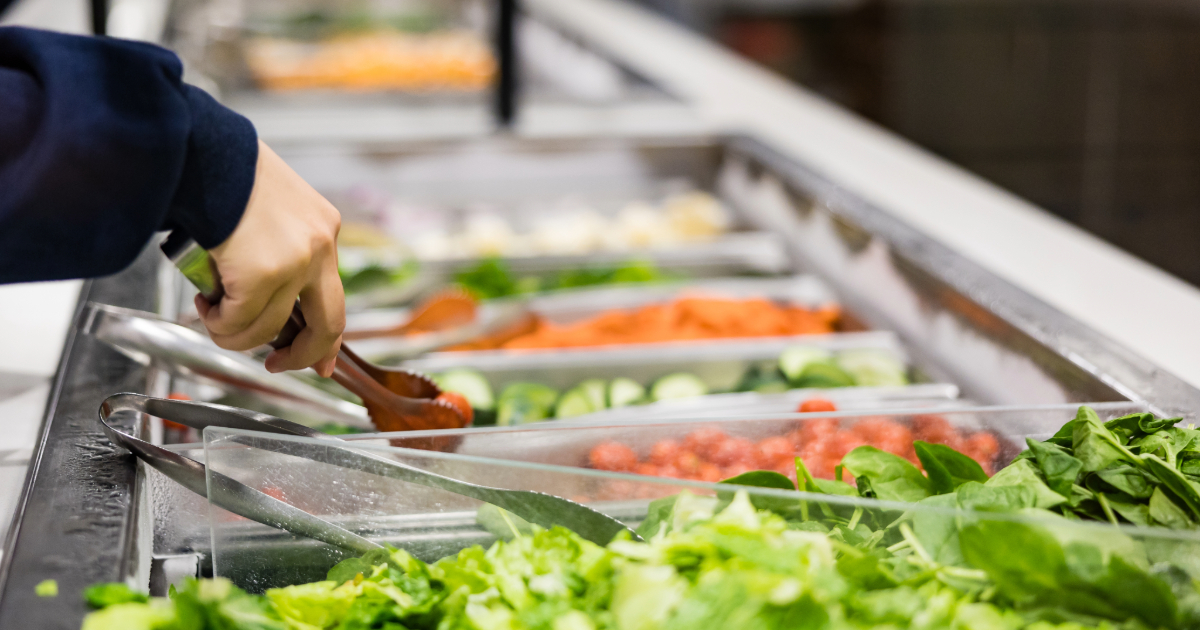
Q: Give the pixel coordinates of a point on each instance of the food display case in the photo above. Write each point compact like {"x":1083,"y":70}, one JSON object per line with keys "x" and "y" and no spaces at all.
{"x":724,"y":216}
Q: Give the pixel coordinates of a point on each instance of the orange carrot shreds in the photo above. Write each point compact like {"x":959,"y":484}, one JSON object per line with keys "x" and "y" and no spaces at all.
{"x":681,"y":320}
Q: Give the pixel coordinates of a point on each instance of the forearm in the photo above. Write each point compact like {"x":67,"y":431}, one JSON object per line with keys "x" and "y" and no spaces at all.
{"x":102,"y":145}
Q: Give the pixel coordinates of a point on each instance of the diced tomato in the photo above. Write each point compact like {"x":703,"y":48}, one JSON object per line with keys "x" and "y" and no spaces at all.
{"x":671,"y":472}
{"x":814,"y":405}
{"x":178,"y":396}
{"x":612,"y":456}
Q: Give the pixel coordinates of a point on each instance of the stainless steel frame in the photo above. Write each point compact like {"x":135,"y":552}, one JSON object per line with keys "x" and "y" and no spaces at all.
{"x":85,"y":515}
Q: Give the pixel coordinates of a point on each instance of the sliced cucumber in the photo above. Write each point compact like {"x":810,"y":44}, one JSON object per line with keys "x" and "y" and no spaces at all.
{"x":873,"y":368}
{"x":772,"y":387}
{"x":595,"y":390}
{"x":678,"y":385}
{"x":471,"y":384}
{"x":623,"y":392}
{"x":796,"y":359}
{"x":576,"y":402}
{"x":823,"y":376}
{"x":521,"y":403}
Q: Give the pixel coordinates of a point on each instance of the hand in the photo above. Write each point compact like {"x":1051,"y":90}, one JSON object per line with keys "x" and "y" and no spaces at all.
{"x":284,"y":246}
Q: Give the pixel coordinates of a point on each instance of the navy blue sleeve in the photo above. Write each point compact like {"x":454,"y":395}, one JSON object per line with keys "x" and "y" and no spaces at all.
{"x":102,"y":145}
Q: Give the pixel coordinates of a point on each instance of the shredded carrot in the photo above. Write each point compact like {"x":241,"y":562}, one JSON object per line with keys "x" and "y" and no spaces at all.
{"x":683,"y":319}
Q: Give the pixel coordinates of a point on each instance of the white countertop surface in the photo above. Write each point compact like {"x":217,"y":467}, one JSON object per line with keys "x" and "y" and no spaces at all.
{"x":1130,"y":301}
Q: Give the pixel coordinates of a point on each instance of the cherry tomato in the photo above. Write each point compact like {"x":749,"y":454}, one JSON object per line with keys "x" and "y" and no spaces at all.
{"x":818,"y":428}
{"x":814,"y":405}
{"x":612,"y":456}
{"x":709,"y":472}
{"x":688,"y":462}
{"x":735,"y":449}
{"x":665,"y":452}
{"x":650,"y":470}
{"x":460,"y":403}
{"x":704,"y":442}
{"x":775,"y":449}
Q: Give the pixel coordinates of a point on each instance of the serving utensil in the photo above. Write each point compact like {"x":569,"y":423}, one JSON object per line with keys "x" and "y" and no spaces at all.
{"x":538,"y":508}
{"x":396,"y":399}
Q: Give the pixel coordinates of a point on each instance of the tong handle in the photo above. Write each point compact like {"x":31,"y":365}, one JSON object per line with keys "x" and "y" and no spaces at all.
{"x":198,"y":267}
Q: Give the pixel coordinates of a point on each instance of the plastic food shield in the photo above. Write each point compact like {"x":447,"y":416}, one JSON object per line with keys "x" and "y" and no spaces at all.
{"x":1088,"y":563}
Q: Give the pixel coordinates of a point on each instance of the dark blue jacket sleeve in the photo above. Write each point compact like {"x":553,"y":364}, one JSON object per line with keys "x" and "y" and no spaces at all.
{"x":102,"y":145}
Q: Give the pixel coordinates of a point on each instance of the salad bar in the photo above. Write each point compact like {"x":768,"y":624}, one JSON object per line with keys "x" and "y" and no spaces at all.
{"x":704,"y":387}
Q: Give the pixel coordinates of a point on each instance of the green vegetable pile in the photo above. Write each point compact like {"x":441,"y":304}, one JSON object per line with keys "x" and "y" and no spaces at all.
{"x":492,"y":278}
{"x":798,"y":367}
{"x":974,"y":553}
{"x":810,"y":367}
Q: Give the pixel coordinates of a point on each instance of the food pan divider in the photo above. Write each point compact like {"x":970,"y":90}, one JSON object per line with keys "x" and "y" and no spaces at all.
{"x":432,"y":523}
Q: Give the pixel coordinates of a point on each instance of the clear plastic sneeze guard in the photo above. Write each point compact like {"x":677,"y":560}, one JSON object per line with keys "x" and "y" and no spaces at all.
{"x":432,"y":523}
{"x":1032,"y":558}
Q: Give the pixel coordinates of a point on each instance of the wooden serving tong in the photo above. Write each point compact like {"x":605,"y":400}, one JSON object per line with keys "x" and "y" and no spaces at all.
{"x":396,"y":399}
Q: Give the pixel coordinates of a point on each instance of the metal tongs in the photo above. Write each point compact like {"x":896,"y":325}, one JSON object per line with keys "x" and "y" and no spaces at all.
{"x":538,"y":508}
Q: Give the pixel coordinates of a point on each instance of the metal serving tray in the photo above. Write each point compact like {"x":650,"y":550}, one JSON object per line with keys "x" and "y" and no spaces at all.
{"x":85,"y":516}
{"x":432,"y":523}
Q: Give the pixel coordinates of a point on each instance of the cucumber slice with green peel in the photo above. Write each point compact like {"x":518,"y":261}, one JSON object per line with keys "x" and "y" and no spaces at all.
{"x":596,"y":390}
{"x":471,"y":384}
{"x":796,"y":359}
{"x":542,"y":395}
{"x":873,"y":368}
{"x":623,"y":392}
{"x":576,"y":402}
{"x":520,"y":411}
{"x":521,"y":403}
{"x":678,"y":385}
{"x":823,"y":376}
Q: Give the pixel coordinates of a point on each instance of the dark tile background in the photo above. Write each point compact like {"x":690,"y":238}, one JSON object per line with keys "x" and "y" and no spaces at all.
{"x":1088,"y":108}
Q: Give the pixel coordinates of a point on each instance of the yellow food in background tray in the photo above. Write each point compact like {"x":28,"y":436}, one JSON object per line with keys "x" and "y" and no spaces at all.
{"x":377,"y":60}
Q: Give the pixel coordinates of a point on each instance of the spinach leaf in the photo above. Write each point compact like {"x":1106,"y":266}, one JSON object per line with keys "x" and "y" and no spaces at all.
{"x":1149,"y":424}
{"x":1093,"y":444}
{"x":889,"y":477}
{"x":987,"y":498}
{"x":1136,"y":513}
{"x":1025,"y":474}
{"x":1165,"y":512}
{"x":947,"y":468}
{"x":1166,"y":444}
{"x":1064,"y":436}
{"x":1059,"y":467}
{"x":1024,"y":560}
{"x":761,"y":479}
{"x":1129,"y":426}
{"x":1132,"y":481}
{"x":938,"y":531}
{"x":1185,"y":490}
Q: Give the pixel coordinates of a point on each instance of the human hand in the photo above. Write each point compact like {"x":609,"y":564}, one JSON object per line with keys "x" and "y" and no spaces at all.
{"x":284,"y":246}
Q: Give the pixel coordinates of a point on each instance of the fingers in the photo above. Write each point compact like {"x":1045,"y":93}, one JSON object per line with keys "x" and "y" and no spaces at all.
{"x":324,"y":305}
{"x":262,"y":328}
{"x":243,"y":303}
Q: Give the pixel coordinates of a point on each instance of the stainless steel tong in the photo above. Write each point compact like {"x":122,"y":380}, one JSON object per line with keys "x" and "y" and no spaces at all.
{"x":228,"y":493}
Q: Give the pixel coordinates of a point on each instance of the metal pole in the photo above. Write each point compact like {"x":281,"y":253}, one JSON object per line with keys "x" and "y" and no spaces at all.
{"x":506,"y":58}
{"x":99,"y":17}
